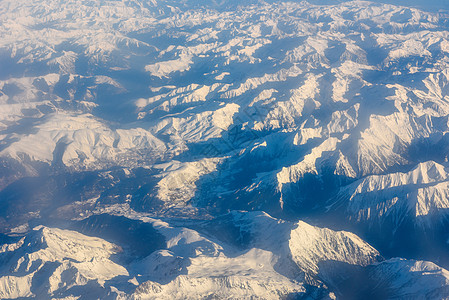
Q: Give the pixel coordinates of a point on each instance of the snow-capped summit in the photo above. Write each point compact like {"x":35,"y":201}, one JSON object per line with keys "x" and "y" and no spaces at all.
{"x":420,"y":193}
{"x":50,"y":261}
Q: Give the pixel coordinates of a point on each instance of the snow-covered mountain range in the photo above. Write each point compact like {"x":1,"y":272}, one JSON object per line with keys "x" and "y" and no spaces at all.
{"x":230,"y":149}
{"x":255,"y":255}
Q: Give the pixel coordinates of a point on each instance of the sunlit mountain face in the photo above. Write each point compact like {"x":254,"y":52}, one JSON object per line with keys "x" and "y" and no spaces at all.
{"x":224,"y":149}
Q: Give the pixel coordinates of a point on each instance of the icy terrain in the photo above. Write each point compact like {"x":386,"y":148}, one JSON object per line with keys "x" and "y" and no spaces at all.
{"x":223,"y":149}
